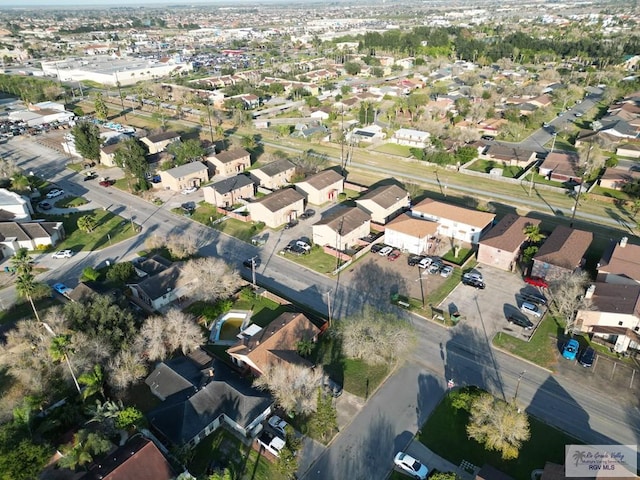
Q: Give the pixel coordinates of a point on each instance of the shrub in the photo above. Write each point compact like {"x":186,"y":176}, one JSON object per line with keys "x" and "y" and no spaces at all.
{"x":120,"y":272}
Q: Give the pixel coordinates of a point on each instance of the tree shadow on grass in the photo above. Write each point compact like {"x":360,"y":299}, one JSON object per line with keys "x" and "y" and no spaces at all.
{"x":373,"y":285}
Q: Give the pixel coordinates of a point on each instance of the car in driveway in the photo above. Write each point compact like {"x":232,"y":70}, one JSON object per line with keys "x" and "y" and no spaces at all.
{"x":253,"y":262}
{"x":278,"y":424}
{"x":63,"y":254}
{"x":536,"y":282}
{"x":332,"y":387}
{"x":62,"y":289}
{"x":410,"y":465}
{"x":394,"y":255}
{"x":308,"y":213}
{"x":587,"y":357}
{"x":270,"y":442}
{"x":190,"y":190}
{"x":89,"y":176}
{"x":45,"y":206}
{"x":106,"y":183}
{"x":377,"y":247}
{"x":473,"y":282}
{"x":531,"y":309}
{"x":570,"y":350}
{"x":385,"y":251}
{"x":290,"y":224}
{"x":303,"y":245}
{"x":425,"y":262}
{"x":520,"y":320}
{"x":56,"y":192}
{"x":446,"y":271}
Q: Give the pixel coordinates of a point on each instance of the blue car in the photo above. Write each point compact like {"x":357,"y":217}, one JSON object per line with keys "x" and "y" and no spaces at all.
{"x":570,"y":350}
{"x":62,"y":289}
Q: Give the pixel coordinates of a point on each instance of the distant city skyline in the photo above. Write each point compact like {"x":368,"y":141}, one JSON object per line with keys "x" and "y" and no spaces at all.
{"x":135,"y":3}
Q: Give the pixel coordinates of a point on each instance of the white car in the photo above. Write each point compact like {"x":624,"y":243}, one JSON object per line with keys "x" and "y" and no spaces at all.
{"x":55,"y":193}
{"x":303,"y":245}
{"x":63,"y":254}
{"x":278,"y":424}
{"x":446,"y":271}
{"x":271,"y":443}
{"x":385,"y":251}
{"x":189,"y":190}
{"x":425,"y":262}
{"x":410,"y":465}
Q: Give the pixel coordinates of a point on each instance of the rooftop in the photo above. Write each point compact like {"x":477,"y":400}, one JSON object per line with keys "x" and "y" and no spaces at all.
{"x":280,"y":199}
{"x":413,"y":226}
{"x":323,"y":179}
{"x":230,"y":184}
{"x":230,"y":155}
{"x":186,"y":169}
{"x":508,"y":234}
{"x":385,"y":196}
{"x":466,"y":216}
{"x":345,"y":220}
{"x":565,"y":247}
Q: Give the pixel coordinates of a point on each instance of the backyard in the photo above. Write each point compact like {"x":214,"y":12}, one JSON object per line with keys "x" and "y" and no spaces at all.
{"x":445,"y":434}
{"x":485,"y":166}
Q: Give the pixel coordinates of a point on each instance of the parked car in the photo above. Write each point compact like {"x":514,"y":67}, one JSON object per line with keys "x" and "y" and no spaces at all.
{"x":413,"y":260}
{"x":63,"y":254}
{"x":278,"y":424}
{"x":531,"y":309}
{"x":521,"y":321}
{"x":425,"y":262}
{"x":410,"y":465}
{"x":394,"y":255}
{"x":106,"y":183}
{"x":270,"y":442}
{"x":290,"y":224}
{"x":472,"y":282}
{"x":473,"y":275}
{"x":446,"y":271}
{"x":303,"y":245}
{"x":55,"y":193}
{"x":295,"y":249}
{"x":62,"y":289}
{"x":535,"y":299}
{"x":252,"y":262}
{"x":578,"y":114}
{"x":189,"y":206}
{"x":332,"y":387}
{"x":156,"y":179}
{"x":190,"y":190}
{"x":45,"y":205}
{"x":570,"y":350}
{"x":90,"y":176}
{"x":587,"y":357}
{"x":377,"y":247}
{"x":308,"y":213}
{"x":435,"y":267}
{"x":385,"y":251}
{"x":536,"y":282}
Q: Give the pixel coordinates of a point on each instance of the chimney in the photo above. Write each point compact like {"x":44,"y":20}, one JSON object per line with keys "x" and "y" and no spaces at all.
{"x":623,"y":242}
{"x":590,"y":291}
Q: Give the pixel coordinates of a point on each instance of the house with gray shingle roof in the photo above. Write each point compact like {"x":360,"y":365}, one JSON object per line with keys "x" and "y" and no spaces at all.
{"x":562,"y":252}
{"x":160,"y":141}
{"x":277,"y":208}
{"x":384,"y":203}
{"x":29,"y":235}
{"x":191,"y":174}
{"x":274,"y":175}
{"x":162,"y":286}
{"x":322,"y":187}
{"x":342,"y":228}
{"x":229,"y":162}
{"x":228,"y":191}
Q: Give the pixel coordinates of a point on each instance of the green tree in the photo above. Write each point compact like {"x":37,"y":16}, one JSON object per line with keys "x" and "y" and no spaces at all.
{"x":60,"y":349}
{"x":90,"y":274}
{"x":129,"y":417}
{"x":20,"y":183}
{"x":529,"y":253}
{"x":120,"y":272}
{"x":87,"y":140}
{"x":86,"y":446}
{"x":87,"y":223}
{"x":533,"y":233}
{"x":20,"y":457}
{"x":443,"y":476}
{"x":187,"y":151}
{"x":276,"y":88}
{"x":352,"y":68}
{"x":100,"y":107}
{"x":93,"y":382}
{"x":26,"y":285}
{"x":132,"y":157}
{"x":305,"y":347}
{"x":287,"y":463}
{"x":324,"y":420}
{"x":498,"y":425}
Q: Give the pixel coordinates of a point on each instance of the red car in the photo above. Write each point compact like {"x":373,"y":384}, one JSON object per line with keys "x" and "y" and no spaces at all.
{"x":536,"y":282}
{"x":393,"y":255}
{"x":106,"y":183}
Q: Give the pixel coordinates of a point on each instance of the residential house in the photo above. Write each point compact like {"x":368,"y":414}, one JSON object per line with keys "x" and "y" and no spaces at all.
{"x":500,"y":246}
{"x":410,"y":234}
{"x":275,"y":344}
{"x":366,"y":134}
{"x":541,"y":101}
{"x":631,"y":150}
{"x":29,"y":235}
{"x":138,"y":458}
{"x":614,"y":314}
{"x":228,"y":191}
{"x":561,"y":167}
{"x":309,"y":131}
{"x":108,"y":153}
{"x":191,"y":174}
{"x":85,"y":290}
{"x":411,"y":138}
{"x":229,"y":162}
{"x":274,"y":175}
{"x":620,"y":263}
{"x":615,"y":178}
{"x":562,"y":252}
{"x":277,"y":208}
{"x":201,"y":399}
{"x":160,"y":141}
{"x":342,"y":228}
{"x":321,"y":114}
{"x":14,"y":206}
{"x":508,"y":155}
{"x":163,"y":286}
{"x":454,"y":222}
{"x":384,"y":203}
{"x":322,"y":187}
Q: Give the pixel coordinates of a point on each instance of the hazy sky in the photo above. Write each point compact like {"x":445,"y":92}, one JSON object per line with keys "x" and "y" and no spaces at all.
{"x":133,"y":3}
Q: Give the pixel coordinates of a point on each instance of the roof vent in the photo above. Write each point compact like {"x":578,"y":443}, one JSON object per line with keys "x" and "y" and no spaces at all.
{"x":623,"y":242}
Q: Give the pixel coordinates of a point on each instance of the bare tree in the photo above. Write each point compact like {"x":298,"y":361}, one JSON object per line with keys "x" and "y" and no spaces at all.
{"x":126,"y":368}
{"x":294,"y":387}
{"x":183,"y":333}
{"x":212,"y":278}
{"x":498,"y":425}
{"x":7,"y":167}
{"x":375,"y":337}
{"x":181,"y":246}
{"x":153,"y":242}
{"x":567,"y":293}
{"x":150,"y":341}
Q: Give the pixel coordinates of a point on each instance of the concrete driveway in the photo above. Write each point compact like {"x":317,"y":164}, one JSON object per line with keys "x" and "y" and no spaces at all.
{"x":487,"y":310}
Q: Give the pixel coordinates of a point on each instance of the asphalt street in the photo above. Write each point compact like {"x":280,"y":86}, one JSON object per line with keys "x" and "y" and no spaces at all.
{"x":364,"y":450}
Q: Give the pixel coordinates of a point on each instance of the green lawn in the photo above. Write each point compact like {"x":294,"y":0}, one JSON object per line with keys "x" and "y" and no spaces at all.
{"x":356,"y":376}
{"x":241,"y":230}
{"x":110,"y":230}
{"x":315,"y":260}
{"x":609,"y":192}
{"x":394,"y":149}
{"x":264,"y":310}
{"x":463,"y":255}
{"x":70,"y":202}
{"x":541,"y":349}
{"x":485,"y":166}
{"x":227,"y":451}
{"x":445,"y":434}
{"x":205,"y":213}
{"x":22,"y":309}
{"x":537,"y":178}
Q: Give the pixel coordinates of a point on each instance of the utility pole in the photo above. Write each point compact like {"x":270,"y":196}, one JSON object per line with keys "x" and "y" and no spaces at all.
{"x":253,"y":271}
{"x":515,"y":396}
{"x":328,"y":294}
{"x":584,"y":170}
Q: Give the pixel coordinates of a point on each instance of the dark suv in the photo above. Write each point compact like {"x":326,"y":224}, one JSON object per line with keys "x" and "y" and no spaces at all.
{"x":473,"y":282}
{"x":413,"y":260}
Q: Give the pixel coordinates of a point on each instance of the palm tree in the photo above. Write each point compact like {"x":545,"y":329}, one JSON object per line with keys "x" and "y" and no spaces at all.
{"x":533,"y":233}
{"x":305,"y":347}
{"x":93,"y":382}
{"x":59,"y":350}
{"x":26,"y":285}
{"x":86,"y":223}
{"x":86,"y":445}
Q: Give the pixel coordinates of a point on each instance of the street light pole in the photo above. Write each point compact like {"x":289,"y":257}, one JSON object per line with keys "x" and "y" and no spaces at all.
{"x":328,"y":294}
{"x":253,"y":271}
{"x":515,"y":396}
